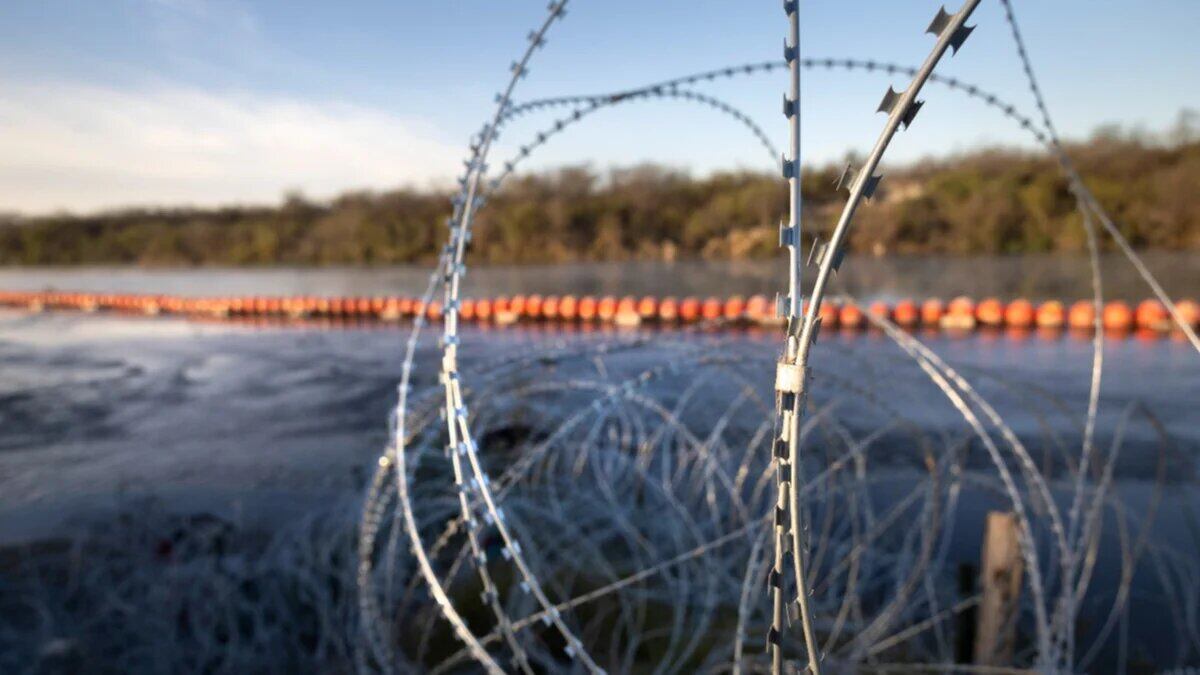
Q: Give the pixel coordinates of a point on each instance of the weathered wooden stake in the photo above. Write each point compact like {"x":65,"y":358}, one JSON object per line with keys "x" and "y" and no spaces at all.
{"x":1000,"y":584}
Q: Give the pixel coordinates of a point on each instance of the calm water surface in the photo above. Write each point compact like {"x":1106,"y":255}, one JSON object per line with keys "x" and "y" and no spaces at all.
{"x":1032,"y":276}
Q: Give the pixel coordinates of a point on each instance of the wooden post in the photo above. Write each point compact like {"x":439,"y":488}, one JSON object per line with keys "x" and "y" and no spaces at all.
{"x":1000,"y":583}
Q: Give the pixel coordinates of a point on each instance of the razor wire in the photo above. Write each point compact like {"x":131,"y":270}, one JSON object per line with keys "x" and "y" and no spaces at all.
{"x":616,"y":398}
{"x":451,"y":268}
{"x":460,"y":442}
{"x":788,"y":522}
{"x":792,"y":371}
{"x":1088,"y":205}
{"x":635,"y":478}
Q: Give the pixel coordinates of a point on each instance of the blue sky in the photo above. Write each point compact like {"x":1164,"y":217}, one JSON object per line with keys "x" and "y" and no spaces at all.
{"x":120,"y":102}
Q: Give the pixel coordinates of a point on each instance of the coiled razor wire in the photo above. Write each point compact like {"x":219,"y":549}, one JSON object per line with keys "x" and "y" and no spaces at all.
{"x":611,"y":501}
{"x":874,"y":589}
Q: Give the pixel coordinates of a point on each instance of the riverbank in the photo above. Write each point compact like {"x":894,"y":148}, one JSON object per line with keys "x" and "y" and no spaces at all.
{"x":991,"y":201}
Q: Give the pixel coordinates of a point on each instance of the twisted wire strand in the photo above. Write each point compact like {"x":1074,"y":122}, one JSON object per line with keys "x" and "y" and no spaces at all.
{"x":801,"y":334}
{"x":451,"y":267}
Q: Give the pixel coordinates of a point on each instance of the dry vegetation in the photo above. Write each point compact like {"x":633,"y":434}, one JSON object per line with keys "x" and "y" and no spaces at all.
{"x":988,"y":201}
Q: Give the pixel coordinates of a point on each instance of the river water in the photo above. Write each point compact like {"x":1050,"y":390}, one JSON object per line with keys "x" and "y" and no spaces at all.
{"x":1031,"y":276}
{"x":268,"y":426}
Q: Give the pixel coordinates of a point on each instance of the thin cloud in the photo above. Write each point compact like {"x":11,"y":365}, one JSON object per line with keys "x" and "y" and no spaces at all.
{"x":82,"y":147}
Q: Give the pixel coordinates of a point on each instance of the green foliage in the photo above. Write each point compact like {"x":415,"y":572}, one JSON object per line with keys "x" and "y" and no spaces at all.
{"x":990,"y":201}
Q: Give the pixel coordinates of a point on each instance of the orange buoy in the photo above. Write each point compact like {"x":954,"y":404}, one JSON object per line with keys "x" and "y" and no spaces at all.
{"x":960,"y":314}
{"x":1019,"y":313}
{"x":1189,"y":311}
{"x":337,"y":306}
{"x":1051,"y":315}
{"x":1151,"y":315}
{"x":1082,"y":316}
{"x":711,"y":309}
{"x":689,"y":309}
{"x":989,"y":312}
{"x":434,"y":310}
{"x":828,"y":313}
{"x":533,"y":307}
{"x":550,"y":307}
{"x":1117,"y":317}
{"x":961,"y":305}
{"x":568,"y":307}
{"x":932,"y":311}
{"x":483,"y":309}
{"x":391,"y":309}
{"x":758,"y":308}
{"x":880,"y":309}
{"x":466,"y":309}
{"x":735,"y":308}
{"x":502,"y":312}
{"x":587,"y":308}
{"x":516,"y":305}
{"x":647,"y":308}
{"x":850,"y":317}
{"x":668,"y":309}
{"x":607,"y":309}
{"x":906,"y":313}
{"x":627,"y":314}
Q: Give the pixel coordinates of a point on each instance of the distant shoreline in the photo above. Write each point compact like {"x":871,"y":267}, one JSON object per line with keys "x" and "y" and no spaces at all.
{"x":535,"y":265}
{"x":986,"y":202}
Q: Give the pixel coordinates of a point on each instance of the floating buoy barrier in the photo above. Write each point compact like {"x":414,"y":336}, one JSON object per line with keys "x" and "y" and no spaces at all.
{"x":1051,"y":315}
{"x":990,"y":312}
{"x":906,"y":314}
{"x":1018,"y":317}
{"x":960,"y":314}
{"x":1019,"y":314}
{"x":1082,"y":316}
{"x":829,"y":312}
{"x":1117,"y":317}
{"x":1151,"y":315}
{"x":851,"y":317}
{"x":932,"y":311}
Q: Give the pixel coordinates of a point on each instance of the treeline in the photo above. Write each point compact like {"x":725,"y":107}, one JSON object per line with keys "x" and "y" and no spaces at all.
{"x":993,"y":201}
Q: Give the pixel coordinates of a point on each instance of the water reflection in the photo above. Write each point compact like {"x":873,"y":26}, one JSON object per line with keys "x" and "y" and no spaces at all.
{"x":1031,"y":276}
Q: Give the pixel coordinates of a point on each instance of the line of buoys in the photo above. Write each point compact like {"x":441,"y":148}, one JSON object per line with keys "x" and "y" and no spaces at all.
{"x":960,"y":314}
